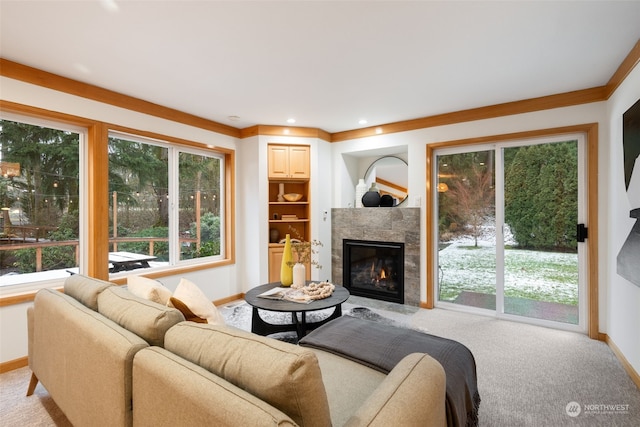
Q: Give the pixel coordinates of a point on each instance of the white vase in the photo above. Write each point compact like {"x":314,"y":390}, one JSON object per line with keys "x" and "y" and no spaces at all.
{"x":281,"y":192}
{"x":361,"y":188}
{"x":299,"y":275}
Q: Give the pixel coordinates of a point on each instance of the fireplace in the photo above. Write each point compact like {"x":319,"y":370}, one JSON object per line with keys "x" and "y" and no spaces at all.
{"x":374,"y":269}
{"x":381,"y":224}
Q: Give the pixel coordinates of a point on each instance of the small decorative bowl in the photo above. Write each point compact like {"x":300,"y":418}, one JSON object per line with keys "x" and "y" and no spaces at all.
{"x":292,"y":197}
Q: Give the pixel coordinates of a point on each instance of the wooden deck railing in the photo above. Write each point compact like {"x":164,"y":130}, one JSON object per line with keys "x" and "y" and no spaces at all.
{"x":9,"y":245}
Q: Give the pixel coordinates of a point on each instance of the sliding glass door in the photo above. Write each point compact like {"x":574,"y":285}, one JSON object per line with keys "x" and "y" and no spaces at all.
{"x":506,"y":223}
{"x":466,"y":225}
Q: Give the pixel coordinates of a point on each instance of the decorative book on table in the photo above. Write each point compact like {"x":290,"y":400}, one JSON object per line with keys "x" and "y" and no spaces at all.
{"x":287,"y":294}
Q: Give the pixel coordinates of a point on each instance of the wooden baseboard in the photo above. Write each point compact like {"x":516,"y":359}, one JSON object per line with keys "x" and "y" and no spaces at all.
{"x":14,"y":364}
{"x":623,"y":360}
{"x":228,"y":299}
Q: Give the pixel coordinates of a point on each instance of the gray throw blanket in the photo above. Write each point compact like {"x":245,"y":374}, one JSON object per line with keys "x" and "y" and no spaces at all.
{"x":381,"y":347}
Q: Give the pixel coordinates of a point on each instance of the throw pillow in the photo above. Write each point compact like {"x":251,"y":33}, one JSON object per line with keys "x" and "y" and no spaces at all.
{"x":188,"y":314}
{"x":148,"y":289}
{"x":197,"y":302}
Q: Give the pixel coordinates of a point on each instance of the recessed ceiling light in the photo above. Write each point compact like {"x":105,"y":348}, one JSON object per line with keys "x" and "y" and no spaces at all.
{"x":234,"y":118}
{"x":82,"y":68}
{"x":110,"y":5}
{"x":291,"y":121}
{"x":286,"y":131}
{"x":362,"y":121}
{"x":378,"y":131}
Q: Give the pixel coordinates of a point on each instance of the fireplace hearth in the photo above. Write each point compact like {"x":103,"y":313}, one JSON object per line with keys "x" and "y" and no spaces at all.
{"x":374,"y":269}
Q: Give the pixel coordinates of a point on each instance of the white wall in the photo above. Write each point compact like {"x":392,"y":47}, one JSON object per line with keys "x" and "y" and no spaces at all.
{"x":623,"y":303}
{"x":248,"y":204}
{"x":13,"y":332}
{"x":321,"y":203}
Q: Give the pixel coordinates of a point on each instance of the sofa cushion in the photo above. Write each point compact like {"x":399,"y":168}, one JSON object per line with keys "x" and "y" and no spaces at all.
{"x":284,"y":375}
{"x":191,"y":296}
{"x":85,"y":289}
{"x":150,"y":289}
{"x":145,"y":318}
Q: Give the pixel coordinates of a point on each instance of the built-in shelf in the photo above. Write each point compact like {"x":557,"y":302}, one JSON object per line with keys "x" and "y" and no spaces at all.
{"x":288,"y":173}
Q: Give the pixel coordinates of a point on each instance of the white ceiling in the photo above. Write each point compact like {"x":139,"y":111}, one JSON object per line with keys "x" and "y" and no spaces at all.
{"x":327,"y":64}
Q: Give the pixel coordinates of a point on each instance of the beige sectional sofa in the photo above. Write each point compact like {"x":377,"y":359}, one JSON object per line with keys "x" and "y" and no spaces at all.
{"x":109,"y":358}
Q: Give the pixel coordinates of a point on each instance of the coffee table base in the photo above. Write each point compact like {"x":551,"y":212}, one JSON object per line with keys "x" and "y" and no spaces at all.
{"x":299,"y":326}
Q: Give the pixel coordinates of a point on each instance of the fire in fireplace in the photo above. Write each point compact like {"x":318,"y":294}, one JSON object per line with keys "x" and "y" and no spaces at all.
{"x":374,"y":269}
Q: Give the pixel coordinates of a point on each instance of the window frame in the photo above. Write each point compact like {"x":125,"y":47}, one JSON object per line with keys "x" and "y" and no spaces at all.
{"x":94,"y":181}
{"x":173,"y":153}
{"x":82,"y":132}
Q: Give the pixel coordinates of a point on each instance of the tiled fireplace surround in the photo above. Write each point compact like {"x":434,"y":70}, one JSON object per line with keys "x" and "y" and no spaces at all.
{"x":380,"y":224}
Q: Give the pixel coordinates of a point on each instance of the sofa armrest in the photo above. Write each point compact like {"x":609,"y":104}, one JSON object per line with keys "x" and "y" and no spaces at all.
{"x":412,"y":394}
{"x":81,"y":356}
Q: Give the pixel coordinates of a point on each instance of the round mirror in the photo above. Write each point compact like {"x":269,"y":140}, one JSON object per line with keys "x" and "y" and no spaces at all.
{"x":390,"y":173}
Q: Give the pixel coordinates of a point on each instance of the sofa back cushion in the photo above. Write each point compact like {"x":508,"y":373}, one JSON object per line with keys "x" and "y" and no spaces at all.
{"x":171,"y":391}
{"x":286,"y":376}
{"x":85,"y":289}
{"x":147,"y":319}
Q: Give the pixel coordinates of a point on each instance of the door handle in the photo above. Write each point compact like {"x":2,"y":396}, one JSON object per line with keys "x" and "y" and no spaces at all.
{"x":582,"y":233}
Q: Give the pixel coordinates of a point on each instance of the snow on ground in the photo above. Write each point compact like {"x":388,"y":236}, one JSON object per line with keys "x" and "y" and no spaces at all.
{"x":545,"y":276}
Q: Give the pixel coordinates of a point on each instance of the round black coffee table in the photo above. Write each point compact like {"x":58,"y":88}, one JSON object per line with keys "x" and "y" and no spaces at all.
{"x":298,"y":311}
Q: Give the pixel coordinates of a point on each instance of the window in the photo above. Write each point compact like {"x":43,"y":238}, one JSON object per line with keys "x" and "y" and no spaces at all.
{"x":40,"y":194}
{"x":165,"y":203}
{"x":199,"y":215}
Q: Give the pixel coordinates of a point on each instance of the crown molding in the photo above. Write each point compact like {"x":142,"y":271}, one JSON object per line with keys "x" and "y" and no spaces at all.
{"x":629,"y":63}
{"x":285,"y":131}
{"x":38,"y":77}
{"x":566,"y":99}
{"x":16,"y":71}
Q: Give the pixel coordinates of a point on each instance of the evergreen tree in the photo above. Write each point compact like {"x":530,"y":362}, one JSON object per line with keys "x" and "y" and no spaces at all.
{"x":48,"y":183}
{"x":541,"y":187}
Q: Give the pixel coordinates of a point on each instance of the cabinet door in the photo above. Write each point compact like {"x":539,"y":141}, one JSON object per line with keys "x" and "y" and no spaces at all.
{"x":275,"y":262}
{"x":299,"y":162}
{"x":278,"y":161}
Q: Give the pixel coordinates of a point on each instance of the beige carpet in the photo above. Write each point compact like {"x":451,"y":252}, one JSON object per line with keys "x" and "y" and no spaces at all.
{"x":16,"y":409}
{"x":527,"y":375}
